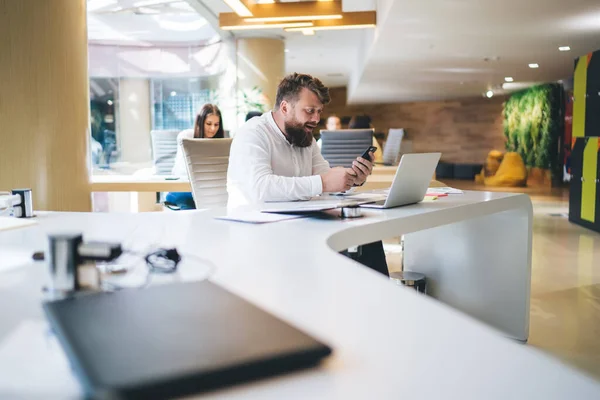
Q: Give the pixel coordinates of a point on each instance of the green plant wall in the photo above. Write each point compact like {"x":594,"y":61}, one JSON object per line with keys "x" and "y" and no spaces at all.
{"x":532,"y":125}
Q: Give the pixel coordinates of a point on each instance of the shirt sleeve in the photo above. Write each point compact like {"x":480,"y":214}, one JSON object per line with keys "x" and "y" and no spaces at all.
{"x":319,"y":164}
{"x":250,"y":173}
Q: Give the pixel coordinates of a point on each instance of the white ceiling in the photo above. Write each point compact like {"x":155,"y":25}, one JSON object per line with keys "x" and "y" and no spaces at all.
{"x":424,"y":50}
{"x":435,"y":49}
{"x":329,"y":55}
{"x":159,"y":21}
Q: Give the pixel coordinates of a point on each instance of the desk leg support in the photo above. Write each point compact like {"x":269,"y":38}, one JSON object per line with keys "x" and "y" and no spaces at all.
{"x":144,"y":202}
{"x":480,"y":266}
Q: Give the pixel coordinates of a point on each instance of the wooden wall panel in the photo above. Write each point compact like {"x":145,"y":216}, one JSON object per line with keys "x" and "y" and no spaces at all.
{"x":44,"y":102}
{"x":463,"y":130}
{"x":260,"y":63}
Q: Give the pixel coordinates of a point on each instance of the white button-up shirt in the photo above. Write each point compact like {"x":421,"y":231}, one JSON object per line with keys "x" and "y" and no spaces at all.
{"x":264,"y":166}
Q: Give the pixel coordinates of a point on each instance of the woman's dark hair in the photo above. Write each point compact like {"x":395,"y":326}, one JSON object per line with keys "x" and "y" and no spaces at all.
{"x":253,"y":114}
{"x":360,"y":122}
{"x":289,"y":88}
{"x":205,"y":111}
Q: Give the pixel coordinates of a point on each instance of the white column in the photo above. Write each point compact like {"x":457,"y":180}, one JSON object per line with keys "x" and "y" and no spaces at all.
{"x":135,"y":121}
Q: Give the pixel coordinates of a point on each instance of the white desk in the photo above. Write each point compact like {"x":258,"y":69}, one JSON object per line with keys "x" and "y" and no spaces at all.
{"x":145,"y":187}
{"x":389,"y":342}
{"x":133,"y":183}
{"x":382,"y":176}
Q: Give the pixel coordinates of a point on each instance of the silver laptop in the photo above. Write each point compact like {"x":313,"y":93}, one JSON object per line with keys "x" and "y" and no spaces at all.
{"x":411,"y":180}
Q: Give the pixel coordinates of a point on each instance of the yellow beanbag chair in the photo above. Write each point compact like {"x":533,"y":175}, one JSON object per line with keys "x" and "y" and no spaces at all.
{"x":511,"y":172}
{"x":492,"y":163}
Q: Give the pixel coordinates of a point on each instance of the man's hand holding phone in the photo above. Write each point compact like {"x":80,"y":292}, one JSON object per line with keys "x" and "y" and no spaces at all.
{"x":363,"y":165}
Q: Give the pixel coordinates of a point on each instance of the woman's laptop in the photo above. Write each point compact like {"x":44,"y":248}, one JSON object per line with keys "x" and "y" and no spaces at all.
{"x":411,"y":180}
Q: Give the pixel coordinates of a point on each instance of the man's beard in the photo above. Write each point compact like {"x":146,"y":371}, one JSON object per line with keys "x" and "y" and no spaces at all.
{"x":296,"y":134}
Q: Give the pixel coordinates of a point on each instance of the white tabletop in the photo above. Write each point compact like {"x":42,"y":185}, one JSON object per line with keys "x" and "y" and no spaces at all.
{"x":388,"y":341}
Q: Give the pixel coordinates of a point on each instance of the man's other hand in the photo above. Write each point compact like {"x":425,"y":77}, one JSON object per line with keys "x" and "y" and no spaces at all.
{"x":338,"y":180}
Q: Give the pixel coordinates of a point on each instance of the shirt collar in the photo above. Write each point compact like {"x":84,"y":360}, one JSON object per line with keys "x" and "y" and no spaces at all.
{"x":274,"y":125}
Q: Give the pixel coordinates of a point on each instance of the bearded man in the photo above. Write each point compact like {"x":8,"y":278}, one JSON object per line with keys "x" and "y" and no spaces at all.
{"x":275,"y":157}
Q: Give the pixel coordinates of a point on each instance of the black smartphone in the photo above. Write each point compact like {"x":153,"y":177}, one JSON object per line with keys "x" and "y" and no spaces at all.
{"x":366,"y":156}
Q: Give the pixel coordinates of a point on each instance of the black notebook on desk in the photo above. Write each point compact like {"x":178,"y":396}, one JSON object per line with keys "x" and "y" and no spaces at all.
{"x":172,"y":340}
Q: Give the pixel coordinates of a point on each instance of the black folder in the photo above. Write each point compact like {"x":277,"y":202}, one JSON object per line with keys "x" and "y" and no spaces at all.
{"x":173,"y":340}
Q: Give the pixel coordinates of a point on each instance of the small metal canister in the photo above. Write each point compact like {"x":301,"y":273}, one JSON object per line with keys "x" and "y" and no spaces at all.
{"x":25,"y":208}
{"x":63,"y":262}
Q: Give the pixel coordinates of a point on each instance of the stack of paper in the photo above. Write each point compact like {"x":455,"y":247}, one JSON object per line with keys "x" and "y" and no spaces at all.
{"x":370,"y":196}
{"x":444,"y":190}
{"x":315,"y":204}
{"x":257,"y":217}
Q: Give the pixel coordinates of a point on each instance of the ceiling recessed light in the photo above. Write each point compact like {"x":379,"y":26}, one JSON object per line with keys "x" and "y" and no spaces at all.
{"x":287,"y":50}
{"x":534,"y":65}
{"x":509,"y":79}
{"x":489,"y":94}
{"x":564,"y":48}
{"x":267,"y":26}
{"x":294,"y":18}
{"x":330,"y":27}
{"x":239,"y":8}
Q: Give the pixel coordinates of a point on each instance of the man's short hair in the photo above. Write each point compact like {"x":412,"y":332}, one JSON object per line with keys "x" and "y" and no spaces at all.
{"x":289,"y":88}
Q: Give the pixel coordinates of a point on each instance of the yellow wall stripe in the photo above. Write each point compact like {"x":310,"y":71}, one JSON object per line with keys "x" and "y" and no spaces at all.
{"x":579,"y":92}
{"x":588,"y":186}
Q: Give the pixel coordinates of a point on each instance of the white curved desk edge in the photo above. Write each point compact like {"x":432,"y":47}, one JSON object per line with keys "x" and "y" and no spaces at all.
{"x":386,"y":339}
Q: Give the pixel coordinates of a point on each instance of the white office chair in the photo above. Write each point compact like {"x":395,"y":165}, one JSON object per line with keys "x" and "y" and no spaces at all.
{"x":391,"y":150}
{"x":164,"y":149}
{"x":207,"y":161}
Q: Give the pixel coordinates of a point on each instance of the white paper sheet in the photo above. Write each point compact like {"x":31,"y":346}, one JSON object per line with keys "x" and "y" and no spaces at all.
{"x":256,"y":217}
{"x":13,"y":223}
{"x":445,"y":189}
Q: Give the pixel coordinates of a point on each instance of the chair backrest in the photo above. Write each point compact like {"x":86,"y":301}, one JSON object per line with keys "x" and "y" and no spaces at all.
{"x":164,"y":150}
{"x":342,"y":147}
{"x":207,"y":161}
{"x":391,"y":150}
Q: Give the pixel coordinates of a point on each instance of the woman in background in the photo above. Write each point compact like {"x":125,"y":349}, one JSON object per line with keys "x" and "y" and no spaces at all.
{"x":208,"y":125}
